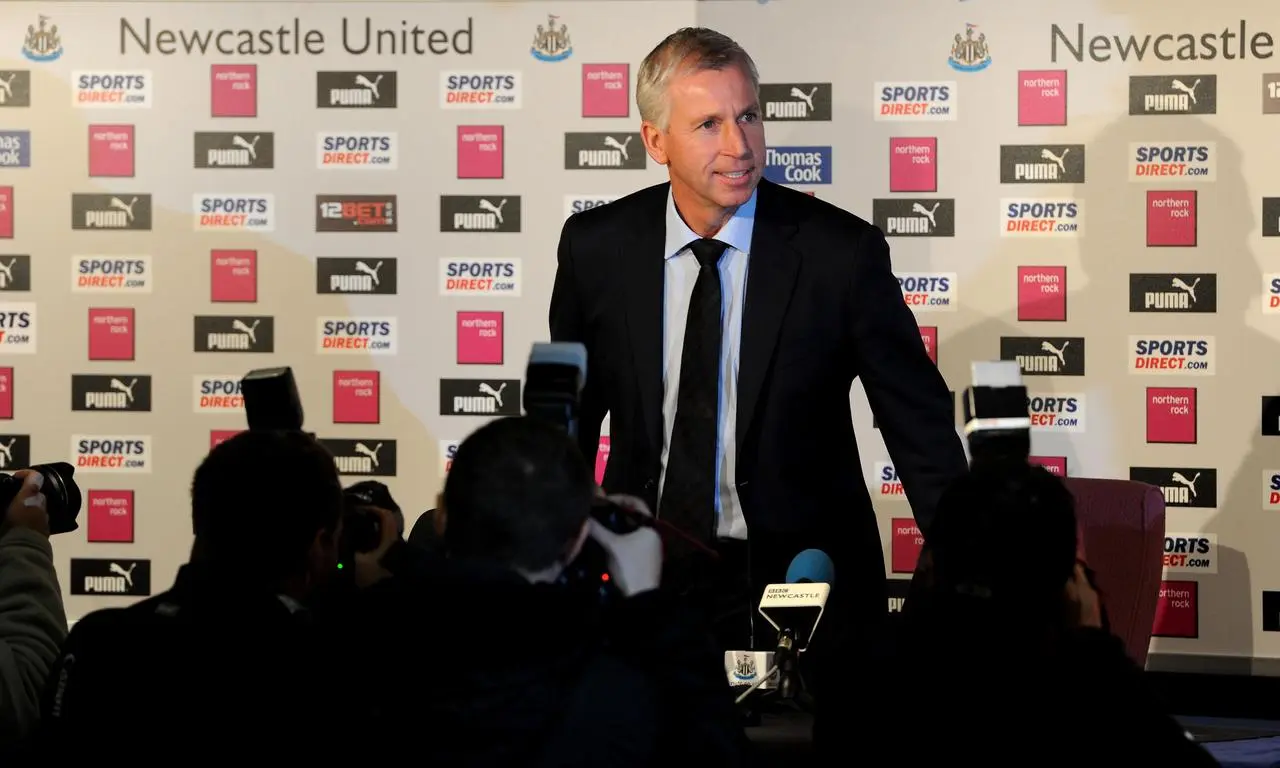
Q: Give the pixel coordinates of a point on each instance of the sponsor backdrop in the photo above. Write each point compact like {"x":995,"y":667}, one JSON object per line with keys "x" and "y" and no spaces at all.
{"x":373,"y":196}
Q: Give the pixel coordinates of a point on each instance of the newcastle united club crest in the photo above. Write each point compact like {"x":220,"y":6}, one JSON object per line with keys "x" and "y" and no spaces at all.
{"x":43,"y":43}
{"x":552,"y":43}
{"x":970,"y":54}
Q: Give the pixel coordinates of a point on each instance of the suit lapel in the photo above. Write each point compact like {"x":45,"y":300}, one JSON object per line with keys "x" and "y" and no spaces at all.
{"x":643,"y":267}
{"x":771,"y":277}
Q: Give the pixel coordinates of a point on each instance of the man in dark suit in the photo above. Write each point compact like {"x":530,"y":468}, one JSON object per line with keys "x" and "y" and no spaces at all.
{"x":725,"y":319}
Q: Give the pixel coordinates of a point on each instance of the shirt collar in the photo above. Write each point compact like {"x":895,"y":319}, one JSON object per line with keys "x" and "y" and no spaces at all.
{"x":736,"y":233}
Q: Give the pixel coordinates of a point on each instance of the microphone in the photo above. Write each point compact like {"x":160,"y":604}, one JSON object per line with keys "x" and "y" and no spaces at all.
{"x":794,"y":610}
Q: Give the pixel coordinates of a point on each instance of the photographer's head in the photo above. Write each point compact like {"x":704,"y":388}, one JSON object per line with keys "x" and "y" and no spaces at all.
{"x":1004,"y":544}
{"x":267,"y":506}
{"x":517,"y":495}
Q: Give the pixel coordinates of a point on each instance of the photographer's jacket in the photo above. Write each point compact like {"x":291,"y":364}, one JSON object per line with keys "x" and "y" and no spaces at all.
{"x":32,"y":626}
{"x":211,"y":671}
{"x":500,"y":672}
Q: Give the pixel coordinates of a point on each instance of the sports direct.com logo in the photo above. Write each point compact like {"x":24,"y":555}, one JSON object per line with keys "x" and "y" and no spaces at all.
{"x":1271,"y":489}
{"x":112,"y":90}
{"x":1057,"y":413}
{"x":1172,"y":355}
{"x":922,"y":102}
{"x":125,"y":453}
{"x":373,"y":335}
{"x":373,"y":151}
{"x":929,"y":291}
{"x":247,"y":213}
{"x":1171,"y":160}
{"x":887,"y":484}
{"x":1271,"y":293}
{"x":480,"y":90}
{"x":1191,"y":553}
{"x":93,"y":274}
{"x":1024,"y":217}
{"x":218,"y":394}
{"x":18,"y":328}
{"x":480,"y":277}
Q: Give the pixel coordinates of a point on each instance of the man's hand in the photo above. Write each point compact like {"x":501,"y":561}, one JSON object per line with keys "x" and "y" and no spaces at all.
{"x":27,"y":510}
{"x":368,"y":566}
{"x":1083,"y":600}
{"x":635,"y":559}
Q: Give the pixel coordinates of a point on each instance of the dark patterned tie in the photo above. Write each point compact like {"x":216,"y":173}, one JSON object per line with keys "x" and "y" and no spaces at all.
{"x":689,"y":488}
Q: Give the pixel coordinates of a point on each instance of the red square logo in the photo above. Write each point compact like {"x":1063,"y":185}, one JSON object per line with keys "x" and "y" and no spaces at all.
{"x":913,"y":164}
{"x":1171,"y":415}
{"x":111,"y":333}
{"x":1055,"y":464}
{"x":929,"y":335}
{"x":1042,"y":293}
{"x":481,"y":152}
{"x":6,"y":393}
{"x":602,"y":458}
{"x":606,"y":90}
{"x":1178,"y":610}
{"x":111,"y":151}
{"x":1042,"y":97}
{"x":111,"y":516}
{"x":234,"y":276}
{"x":907,"y":543}
{"x":480,"y":338}
{"x":1171,"y":218}
{"x":356,"y":397}
{"x":233,"y":90}
{"x":217,"y":436}
{"x":6,"y":212}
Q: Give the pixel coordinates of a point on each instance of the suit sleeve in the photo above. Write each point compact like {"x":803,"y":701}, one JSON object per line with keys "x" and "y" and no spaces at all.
{"x":568,"y":323}
{"x":905,"y":389}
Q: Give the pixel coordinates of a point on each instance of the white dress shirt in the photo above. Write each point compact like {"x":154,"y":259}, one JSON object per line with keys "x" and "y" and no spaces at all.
{"x":681,"y":271}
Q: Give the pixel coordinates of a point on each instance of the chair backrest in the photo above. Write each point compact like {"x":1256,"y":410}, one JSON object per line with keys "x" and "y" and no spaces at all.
{"x":1122,"y":523}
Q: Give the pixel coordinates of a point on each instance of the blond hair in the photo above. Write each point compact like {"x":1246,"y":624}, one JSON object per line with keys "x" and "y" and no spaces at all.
{"x":692,"y":49}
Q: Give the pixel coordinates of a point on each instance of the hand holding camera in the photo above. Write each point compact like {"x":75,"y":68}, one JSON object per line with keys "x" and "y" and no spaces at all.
{"x":28,"y":507}
{"x":635,"y":558}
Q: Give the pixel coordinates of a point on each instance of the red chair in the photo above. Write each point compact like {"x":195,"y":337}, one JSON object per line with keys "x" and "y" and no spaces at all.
{"x":1122,"y":527}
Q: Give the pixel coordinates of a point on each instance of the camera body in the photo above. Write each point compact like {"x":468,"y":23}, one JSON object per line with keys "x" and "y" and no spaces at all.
{"x":554,"y":378}
{"x":62,"y":495}
{"x":997,"y":421}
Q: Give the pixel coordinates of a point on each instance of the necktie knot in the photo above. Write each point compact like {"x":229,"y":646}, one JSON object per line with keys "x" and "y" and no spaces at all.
{"x":708,"y":251}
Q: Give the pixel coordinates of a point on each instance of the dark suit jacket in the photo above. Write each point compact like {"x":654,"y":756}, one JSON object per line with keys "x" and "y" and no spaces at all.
{"x":822,"y":308}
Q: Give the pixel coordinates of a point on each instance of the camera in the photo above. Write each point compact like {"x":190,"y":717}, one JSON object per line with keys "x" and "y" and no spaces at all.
{"x":997,"y":422}
{"x":554,"y":378}
{"x":62,"y":495}
{"x":272,"y":403}
{"x":362,"y":528}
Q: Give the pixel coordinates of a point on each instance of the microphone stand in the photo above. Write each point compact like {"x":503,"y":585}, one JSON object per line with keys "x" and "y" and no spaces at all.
{"x":791,"y":688}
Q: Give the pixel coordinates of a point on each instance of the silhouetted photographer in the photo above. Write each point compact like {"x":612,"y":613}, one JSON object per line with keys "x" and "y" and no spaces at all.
{"x":225,"y":662}
{"x":512,"y":664}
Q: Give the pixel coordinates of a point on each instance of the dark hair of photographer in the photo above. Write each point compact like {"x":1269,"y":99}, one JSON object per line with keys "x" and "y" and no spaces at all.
{"x":267,"y":505}
{"x":982,"y":560}
{"x":1003,"y":605}
{"x":518,"y":494}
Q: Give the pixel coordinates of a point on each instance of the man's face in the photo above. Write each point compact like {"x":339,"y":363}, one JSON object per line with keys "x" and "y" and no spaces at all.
{"x":714,"y":143}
